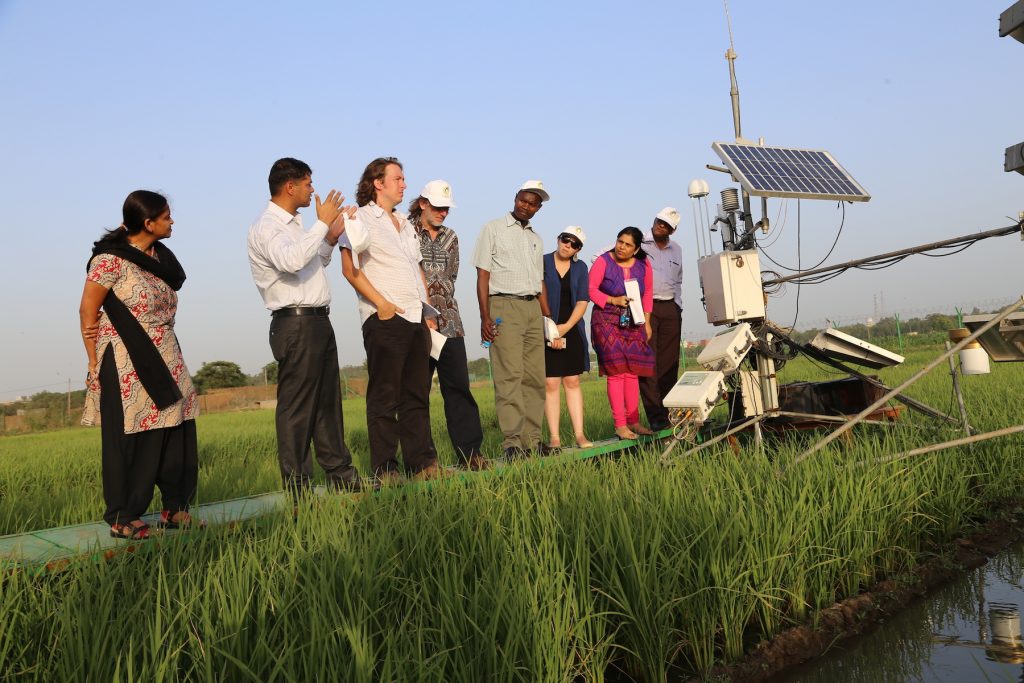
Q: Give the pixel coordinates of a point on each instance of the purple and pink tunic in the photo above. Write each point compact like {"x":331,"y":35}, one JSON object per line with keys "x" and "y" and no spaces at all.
{"x":620,"y":349}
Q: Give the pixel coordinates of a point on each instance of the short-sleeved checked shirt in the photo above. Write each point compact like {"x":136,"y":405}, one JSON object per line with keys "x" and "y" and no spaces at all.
{"x":512,"y":253}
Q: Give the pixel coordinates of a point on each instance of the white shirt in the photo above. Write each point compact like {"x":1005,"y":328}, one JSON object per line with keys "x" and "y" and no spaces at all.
{"x":389,"y":258}
{"x":287,"y":262}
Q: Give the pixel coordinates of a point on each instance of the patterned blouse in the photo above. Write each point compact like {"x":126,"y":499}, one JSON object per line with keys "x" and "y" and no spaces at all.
{"x":441,"y":266}
{"x":153,"y":303}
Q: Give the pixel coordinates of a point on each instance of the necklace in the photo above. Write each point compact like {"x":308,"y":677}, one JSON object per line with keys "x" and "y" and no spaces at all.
{"x":148,"y":251}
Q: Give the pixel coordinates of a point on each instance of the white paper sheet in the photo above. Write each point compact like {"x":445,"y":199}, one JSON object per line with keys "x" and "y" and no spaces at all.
{"x":550,"y":329}
{"x":429,"y":311}
{"x":636,"y":305}
{"x":437,"y":341}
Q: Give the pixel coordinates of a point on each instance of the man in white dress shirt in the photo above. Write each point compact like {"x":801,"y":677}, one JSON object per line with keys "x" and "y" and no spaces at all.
{"x":287,"y":264}
{"x":381,"y":260}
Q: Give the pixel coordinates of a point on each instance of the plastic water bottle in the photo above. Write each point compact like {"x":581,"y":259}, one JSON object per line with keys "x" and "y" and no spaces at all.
{"x":486,"y":344}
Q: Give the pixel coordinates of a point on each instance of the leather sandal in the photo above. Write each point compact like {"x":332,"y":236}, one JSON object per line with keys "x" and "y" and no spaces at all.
{"x":130,"y":531}
{"x":184,"y":520}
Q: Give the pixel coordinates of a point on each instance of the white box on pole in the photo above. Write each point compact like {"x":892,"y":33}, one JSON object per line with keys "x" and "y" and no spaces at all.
{"x":731,"y":281}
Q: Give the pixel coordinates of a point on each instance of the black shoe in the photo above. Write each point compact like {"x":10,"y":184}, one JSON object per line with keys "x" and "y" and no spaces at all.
{"x":543,"y":449}
{"x":351,"y":485}
{"x":659,"y":426}
{"x":513,"y":453}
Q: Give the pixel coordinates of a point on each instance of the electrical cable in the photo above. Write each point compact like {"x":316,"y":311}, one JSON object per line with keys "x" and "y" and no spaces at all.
{"x":938,"y":252}
{"x":796,"y":313}
{"x":842,"y":222}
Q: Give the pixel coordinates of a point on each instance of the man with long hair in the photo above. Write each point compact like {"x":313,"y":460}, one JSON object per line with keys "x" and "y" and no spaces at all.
{"x":381,"y":260}
{"x":439,"y":246}
{"x":287,"y":264}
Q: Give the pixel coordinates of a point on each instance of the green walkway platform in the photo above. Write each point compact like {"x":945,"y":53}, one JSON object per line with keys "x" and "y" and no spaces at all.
{"x":53,"y":547}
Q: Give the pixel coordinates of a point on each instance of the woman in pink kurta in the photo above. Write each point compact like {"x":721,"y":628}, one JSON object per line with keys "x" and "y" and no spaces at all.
{"x":139,"y":390}
{"x":623,"y":354}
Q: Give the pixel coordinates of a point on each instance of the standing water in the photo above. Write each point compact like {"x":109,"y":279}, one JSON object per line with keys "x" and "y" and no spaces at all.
{"x":969,"y":630}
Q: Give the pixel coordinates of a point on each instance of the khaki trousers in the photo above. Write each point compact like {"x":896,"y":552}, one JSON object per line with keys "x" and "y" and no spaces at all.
{"x":517,"y":365}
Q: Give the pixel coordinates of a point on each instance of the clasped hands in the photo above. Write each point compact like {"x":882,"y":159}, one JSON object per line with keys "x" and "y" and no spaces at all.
{"x":559,"y":342}
{"x":333,"y":214}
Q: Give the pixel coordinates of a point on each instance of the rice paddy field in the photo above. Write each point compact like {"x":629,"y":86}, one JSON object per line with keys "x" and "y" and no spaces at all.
{"x":628,"y":568}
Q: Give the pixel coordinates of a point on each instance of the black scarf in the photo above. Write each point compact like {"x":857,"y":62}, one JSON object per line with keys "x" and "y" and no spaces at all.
{"x":149,"y":365}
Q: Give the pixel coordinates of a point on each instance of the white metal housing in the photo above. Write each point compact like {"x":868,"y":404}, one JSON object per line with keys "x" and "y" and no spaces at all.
{"x":731,"y":281}
{"x":727,"y":349}
{"x":698,"y":392}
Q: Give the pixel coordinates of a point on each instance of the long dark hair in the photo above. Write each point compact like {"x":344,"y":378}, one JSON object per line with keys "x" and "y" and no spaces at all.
{"x":375,"y":170}
{"x":638,"y":240}
{"x":416,"y":212}
{"x":139,"y":206}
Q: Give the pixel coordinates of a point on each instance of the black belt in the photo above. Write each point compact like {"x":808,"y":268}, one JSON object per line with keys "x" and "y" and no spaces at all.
{"x":521,"y":297}
{"x":300,"y":310}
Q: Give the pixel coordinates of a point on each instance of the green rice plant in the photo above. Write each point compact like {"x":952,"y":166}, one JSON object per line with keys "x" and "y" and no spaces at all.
{"x":554,"y":573}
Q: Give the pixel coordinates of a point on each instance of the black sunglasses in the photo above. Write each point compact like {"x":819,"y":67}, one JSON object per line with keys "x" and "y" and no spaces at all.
{"x":571,"y":241}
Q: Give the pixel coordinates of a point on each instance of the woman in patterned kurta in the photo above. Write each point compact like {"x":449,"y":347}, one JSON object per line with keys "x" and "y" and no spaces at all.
{"x":623,"y":354}
{"x":138,"y":388}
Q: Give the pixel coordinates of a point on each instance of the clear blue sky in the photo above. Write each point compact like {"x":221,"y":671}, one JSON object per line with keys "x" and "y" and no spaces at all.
{"x":614,"y":105}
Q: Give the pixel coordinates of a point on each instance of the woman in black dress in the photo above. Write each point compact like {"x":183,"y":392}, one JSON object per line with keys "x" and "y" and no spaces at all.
{"x":568,"y":356}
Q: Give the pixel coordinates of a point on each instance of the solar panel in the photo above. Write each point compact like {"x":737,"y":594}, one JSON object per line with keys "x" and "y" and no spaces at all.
{"x":789,"y":172}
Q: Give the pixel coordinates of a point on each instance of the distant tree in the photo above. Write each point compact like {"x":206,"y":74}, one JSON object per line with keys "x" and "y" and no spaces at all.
{"x":269,"y":371}
{"x":479,"y":367}
{"x":351,"y":371}
{"x":937,"y":322}
{"x":219,"y":374}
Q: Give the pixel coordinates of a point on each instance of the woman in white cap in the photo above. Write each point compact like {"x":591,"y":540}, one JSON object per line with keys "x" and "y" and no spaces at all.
{"x":567,"y":356}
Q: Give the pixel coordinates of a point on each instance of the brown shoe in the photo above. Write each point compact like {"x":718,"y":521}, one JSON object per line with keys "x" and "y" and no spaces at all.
{"x":478,"y":463}
{"x":640,"y":429}
{"x":388,"y":478}
{"x":431,"y":471}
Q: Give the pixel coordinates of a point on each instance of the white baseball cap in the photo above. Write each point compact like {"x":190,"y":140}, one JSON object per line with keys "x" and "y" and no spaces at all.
{"x":537,"y":187}
{"x":670,"y":216}
{"x":439,"y":194}
{"x":576,"y":231}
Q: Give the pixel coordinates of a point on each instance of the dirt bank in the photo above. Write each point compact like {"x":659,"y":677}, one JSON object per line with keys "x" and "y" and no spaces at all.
{"x":855,"y":615}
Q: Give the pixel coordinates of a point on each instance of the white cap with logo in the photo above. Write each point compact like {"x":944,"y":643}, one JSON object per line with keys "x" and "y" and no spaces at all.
{"x":439,"y":194}
{"x":575,"y":231}
{"x":670,"y":216}
{"x":537,"y":187}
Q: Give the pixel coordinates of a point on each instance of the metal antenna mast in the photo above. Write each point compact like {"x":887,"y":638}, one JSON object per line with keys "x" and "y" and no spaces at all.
{"x":734,"y":88}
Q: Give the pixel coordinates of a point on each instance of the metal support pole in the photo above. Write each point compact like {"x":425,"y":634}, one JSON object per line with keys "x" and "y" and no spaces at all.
{"x":1006,"y":431}
{"x":959,"y":394}
{"x":724,"y":435}
{"x":1003,"y":314}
